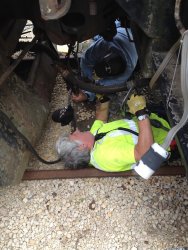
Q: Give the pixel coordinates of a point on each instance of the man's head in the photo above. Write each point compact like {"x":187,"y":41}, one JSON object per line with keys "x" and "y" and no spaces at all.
{"x":111,"y":65}
{"x":75,"y":149}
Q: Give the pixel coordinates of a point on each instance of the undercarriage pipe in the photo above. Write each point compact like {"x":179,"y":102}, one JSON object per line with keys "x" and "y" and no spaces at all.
{"x":89,"y":86}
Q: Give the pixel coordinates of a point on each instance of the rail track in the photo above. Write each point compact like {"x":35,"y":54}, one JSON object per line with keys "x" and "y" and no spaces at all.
{"x":95,"y":173}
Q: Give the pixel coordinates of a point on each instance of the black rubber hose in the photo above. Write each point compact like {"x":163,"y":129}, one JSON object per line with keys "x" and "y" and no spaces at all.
{"x":71,"y":80}
{"x":25,"y":140}
{"x":90,"y":86}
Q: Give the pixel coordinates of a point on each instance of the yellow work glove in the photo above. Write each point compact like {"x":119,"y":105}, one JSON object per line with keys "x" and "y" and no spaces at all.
{"x":99,"y":97}
{"x":136,"y":103}
{"x":102,"y":98}
{"x":102,"y":110}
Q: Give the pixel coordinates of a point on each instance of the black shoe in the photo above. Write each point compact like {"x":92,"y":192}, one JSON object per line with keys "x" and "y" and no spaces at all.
{"x":64,"y":115}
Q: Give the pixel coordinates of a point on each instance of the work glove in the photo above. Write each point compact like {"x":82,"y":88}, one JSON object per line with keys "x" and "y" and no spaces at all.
{"x":102,"y":98}
{"x":102,"y":104}
{"x":102,"y":108}
{"x":136,"y":103}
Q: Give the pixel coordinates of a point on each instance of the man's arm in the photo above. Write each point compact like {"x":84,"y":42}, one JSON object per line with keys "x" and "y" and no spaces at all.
{"x":102,"y":110}
{"x":137,"y":106}
{"x":145,"y":139}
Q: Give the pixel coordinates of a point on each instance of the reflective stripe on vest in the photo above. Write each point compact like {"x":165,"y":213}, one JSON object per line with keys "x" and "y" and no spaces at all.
{"x":98,"y":162}
{"x":115,"y":132}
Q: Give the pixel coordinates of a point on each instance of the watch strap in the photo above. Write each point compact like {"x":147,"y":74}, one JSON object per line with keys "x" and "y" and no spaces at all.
{"x":142,"y":112}
{"x":142,"y":117}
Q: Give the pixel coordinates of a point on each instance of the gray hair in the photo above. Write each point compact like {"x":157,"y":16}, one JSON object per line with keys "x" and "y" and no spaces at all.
{"x":71,"y":154}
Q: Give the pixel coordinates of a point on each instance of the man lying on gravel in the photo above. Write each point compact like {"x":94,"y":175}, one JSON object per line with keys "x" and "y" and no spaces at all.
{"x":112,"y":146}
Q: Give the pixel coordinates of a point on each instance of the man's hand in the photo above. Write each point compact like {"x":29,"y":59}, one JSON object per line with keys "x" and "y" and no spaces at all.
{"x":136,"y":103}
{"x":81,"y":97}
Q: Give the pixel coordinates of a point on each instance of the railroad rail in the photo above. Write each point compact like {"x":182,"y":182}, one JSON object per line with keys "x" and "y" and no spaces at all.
{"x":95,"y":173}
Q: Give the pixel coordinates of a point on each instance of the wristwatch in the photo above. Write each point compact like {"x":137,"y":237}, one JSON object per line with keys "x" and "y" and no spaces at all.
{"x":142,"y":117}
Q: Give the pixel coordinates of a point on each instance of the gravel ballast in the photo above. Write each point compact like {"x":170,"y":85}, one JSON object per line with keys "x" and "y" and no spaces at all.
{"x":111,"y":213}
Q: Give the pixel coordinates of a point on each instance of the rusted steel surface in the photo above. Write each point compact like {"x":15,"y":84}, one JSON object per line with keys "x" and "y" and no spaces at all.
{"x":95,"y":173}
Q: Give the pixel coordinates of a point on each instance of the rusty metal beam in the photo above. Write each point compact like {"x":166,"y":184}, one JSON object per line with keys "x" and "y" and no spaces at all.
{"x":94,"y":173}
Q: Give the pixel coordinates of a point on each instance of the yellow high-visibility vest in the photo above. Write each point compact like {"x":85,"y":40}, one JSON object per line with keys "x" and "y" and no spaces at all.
{"x":115,"y":151}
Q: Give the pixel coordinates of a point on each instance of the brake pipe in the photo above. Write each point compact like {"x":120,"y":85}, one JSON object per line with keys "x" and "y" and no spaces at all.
{"x":91,"y":86}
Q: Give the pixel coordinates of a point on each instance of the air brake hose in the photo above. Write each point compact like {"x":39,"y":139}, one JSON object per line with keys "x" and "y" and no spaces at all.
{"x":25,"y":140}
{"x":157,"y":154}
{"x":90,"y":86}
